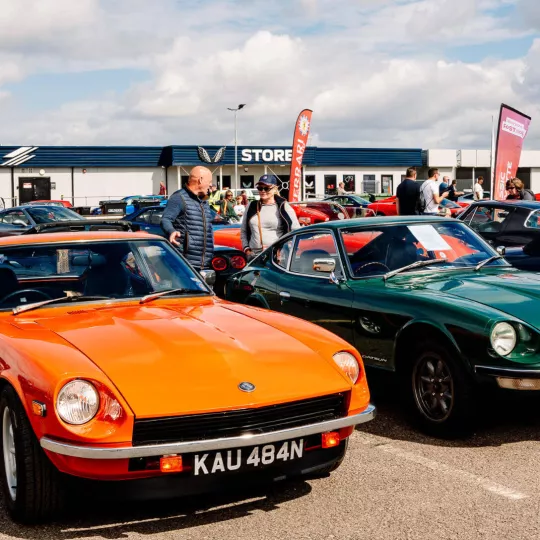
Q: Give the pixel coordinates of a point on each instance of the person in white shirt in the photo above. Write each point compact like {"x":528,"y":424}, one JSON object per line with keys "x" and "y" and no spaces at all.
{"x":267,"y":219}
{"x":239,"y":207}
{"x":478,"y":189}
{"x":430,"y":192}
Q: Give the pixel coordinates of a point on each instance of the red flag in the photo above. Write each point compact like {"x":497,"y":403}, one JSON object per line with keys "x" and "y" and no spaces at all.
{"x":301,"y":133}
{"x":513,"y":127}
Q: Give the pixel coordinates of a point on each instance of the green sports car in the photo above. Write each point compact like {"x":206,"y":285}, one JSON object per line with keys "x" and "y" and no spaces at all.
{"x":425,"y":297}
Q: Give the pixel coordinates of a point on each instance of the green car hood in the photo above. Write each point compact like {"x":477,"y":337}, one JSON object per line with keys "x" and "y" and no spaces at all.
{"x":513,"y":292}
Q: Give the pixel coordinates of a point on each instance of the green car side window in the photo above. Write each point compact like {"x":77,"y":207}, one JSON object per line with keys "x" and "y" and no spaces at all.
{"x":313,"y":246}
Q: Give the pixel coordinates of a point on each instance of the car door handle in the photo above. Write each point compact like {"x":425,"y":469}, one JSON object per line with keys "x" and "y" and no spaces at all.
{"x":284,"y":295}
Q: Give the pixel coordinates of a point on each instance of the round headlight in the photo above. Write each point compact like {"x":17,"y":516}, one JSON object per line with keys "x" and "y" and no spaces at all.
{"x":348,"y":364}
{"x":77,"y":402}
{"x":503,"y":338}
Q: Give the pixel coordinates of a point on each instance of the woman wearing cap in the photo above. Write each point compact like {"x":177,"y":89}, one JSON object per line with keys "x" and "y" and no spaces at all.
{"x":266,"y":220}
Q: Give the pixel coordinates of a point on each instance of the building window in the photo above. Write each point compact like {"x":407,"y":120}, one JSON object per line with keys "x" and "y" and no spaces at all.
{"x":309,"y":185}
{"x":524,"y":174}
{"x":350,"y":182}
{"x":369,"y":184}
{"x":387,"y":184}
{"x":330,"y":184}
{"x":226,"y":182}
{"x":185,"y":179}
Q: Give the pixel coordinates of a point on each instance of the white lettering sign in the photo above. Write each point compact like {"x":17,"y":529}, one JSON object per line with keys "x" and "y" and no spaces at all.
{"x":266,"y":155}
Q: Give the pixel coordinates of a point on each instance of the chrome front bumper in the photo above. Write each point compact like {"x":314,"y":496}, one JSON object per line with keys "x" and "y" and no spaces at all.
{"x":127,"y":452}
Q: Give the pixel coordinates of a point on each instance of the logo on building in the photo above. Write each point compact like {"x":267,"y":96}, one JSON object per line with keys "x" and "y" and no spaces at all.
{"x":205,"y":156}
{"x":22,"y":154}
{"x":266,"y":155}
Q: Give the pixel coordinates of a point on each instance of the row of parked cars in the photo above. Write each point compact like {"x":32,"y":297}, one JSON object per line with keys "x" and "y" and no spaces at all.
{"x":117,"y":361}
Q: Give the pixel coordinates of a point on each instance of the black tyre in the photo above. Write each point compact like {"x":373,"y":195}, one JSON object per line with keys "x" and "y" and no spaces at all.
{"x":30,"y":483}
{"x":440,"y":393}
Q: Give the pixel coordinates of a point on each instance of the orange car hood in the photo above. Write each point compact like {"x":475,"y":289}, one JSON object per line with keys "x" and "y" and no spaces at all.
{"x":171,"y":359}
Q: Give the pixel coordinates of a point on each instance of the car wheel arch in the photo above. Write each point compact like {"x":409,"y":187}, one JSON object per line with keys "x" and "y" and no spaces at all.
{"x":423,"y":330}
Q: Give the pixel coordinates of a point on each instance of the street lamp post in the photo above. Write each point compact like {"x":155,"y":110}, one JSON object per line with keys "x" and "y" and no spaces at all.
{"x":241,"y":106}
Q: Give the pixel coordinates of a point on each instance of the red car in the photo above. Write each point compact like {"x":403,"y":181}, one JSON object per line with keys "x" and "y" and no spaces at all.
{"x":311,"y":212}
{"x":66,"y":204}
{"x":387,"y":207}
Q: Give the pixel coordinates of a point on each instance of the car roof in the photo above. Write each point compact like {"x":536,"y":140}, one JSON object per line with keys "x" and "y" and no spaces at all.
{"x":75,"y":237}
{"x":375,"y":222}
{"x":531,"y":205}
{"x":25,"y":207}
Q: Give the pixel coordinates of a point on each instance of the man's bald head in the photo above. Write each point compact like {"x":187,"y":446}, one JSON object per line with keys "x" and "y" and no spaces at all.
{"x":199,"y":180}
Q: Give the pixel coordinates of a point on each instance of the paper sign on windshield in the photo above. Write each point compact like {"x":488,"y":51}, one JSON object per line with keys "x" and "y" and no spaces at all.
{"x":430,"y":239}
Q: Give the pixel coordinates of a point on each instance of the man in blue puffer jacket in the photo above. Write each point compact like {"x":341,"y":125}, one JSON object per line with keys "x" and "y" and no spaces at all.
{"x":187,"y":220}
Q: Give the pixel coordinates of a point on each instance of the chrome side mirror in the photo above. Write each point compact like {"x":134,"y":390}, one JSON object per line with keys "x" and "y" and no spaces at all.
{"x":324,"y":265}
{"x":209,"y":277}
{"x":501,"y":250}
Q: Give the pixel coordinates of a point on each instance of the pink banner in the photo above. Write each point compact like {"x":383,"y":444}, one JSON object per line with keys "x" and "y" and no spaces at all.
{"x":513,"y":128}
{"x":301,"y":134}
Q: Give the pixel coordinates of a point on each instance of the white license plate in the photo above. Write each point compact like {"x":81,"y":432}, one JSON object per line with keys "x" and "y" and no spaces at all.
{"x":241,"y":459}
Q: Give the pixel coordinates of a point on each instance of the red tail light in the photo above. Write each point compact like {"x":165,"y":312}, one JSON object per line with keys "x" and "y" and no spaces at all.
{"x":238,"y":262}
{"x":219,"y":264}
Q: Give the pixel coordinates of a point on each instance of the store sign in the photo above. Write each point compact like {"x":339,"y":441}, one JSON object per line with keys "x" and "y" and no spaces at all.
{"x":266,"y":155}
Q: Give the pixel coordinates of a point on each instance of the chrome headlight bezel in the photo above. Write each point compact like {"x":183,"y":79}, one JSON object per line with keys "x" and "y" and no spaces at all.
{"x":503,"y":338}
{"x":349,"y":364}
{"x":77,"y":394}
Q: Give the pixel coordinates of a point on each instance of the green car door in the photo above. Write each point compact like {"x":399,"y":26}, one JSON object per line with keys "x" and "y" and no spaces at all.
{"x":309,"y":287}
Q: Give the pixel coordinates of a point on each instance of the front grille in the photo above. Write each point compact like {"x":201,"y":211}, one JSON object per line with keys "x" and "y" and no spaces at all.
{"x":197,"y":427}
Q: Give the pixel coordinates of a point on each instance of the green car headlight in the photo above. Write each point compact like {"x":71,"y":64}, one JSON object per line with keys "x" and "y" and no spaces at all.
{"x":503,"y":338}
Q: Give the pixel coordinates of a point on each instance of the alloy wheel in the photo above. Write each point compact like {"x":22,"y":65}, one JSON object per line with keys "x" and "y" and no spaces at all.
{"x":433,"y":388}
{"x":10,"y":458}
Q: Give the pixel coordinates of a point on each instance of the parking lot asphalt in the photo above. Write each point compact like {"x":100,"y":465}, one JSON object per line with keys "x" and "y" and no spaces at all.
{"x":395,"y":483}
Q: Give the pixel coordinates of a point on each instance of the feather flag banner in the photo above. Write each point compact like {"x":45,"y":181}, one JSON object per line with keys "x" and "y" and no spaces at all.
{"x":301,"y":134}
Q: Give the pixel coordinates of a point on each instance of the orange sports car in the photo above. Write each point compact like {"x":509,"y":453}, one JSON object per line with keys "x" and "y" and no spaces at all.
{"x":118,"y":362}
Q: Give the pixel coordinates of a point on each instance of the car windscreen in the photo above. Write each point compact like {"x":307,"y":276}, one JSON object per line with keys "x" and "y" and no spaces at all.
{"x":111,"y":269}
{"x":378,"y":250}
{"x":48,"y":214}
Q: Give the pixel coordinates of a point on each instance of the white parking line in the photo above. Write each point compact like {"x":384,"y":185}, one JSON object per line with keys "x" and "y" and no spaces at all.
{"x":485,"y":483}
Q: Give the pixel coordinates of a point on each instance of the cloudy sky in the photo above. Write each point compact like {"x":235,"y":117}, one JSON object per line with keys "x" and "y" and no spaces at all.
{"x":396,"y":73}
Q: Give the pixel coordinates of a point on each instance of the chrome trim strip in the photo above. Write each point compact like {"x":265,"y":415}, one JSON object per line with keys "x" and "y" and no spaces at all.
{"x":496,"y":371}
{"x":92,"y":452}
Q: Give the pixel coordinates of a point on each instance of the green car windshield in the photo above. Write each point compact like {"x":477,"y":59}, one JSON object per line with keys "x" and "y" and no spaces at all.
{"x":379,"y":250}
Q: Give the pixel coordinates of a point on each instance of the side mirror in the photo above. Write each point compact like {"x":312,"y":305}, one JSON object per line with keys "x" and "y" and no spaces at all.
{"x":324,"y":265}
{"x":209,"y":277}
{"x":501,"y":250}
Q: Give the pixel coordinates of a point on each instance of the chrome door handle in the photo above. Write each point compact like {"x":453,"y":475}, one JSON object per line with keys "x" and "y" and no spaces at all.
{"x":285,"y":295}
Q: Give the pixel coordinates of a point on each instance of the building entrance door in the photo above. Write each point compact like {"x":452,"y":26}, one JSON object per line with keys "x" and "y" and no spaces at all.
{"x":34,"y":189}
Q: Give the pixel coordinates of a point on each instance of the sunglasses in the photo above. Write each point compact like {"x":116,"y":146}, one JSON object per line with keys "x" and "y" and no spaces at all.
{"x":511,"y":188}
{"x":265,"y":188}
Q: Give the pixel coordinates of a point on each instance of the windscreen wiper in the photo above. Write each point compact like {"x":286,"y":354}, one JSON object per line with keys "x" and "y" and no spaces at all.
{"x":61,"y":300}
{"x":416,"y":264}
{"x":487,"y":261}
{"x":153,"y":296}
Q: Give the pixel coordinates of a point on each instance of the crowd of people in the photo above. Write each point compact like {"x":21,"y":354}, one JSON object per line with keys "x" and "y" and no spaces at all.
{"x":187,"y":220}
{"x":413,"y":198}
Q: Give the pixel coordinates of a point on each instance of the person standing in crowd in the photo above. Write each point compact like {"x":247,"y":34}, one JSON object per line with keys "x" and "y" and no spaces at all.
{"x":443,"y":186}
{"x":453,"y":193}
{"x":213,"y":199}
{"x":187,"y":220}
{"x":240,"y":207}
{"x":408,"y":194}
{"x":516,"y":190}
{"x":245,"y":200}
{"x":266,"y":220}
{"x":341,"y":189}
{"x":478,"y":189}
{"x":430,"y":193}
{"x":227,"y":206}
{"x":162,"y":189}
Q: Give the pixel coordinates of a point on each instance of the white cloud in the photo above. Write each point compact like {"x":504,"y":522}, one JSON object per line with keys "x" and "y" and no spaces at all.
{"x":375,"y":72}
